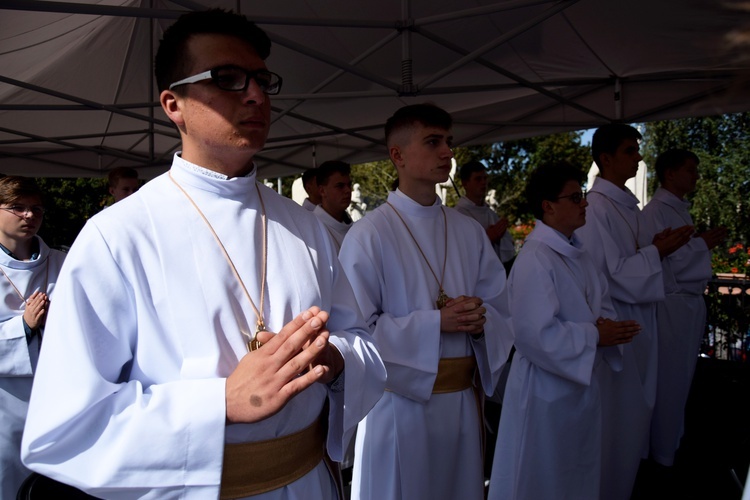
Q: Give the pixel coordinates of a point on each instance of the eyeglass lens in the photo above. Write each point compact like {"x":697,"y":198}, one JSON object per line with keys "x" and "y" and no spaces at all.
{"x":21,"y":210}
{"x":231,"y":78}
{"x":576,"y":198}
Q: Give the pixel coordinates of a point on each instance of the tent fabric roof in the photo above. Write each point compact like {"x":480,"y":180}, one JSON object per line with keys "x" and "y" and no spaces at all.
{"x":77,"y":96}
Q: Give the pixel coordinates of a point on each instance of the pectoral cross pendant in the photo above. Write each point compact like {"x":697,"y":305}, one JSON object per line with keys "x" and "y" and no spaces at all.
{"x":256,"y":344}
{"x":442,"y":299}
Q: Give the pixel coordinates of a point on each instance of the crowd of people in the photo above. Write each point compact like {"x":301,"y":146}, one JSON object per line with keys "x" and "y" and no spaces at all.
{"x":209,"y":338}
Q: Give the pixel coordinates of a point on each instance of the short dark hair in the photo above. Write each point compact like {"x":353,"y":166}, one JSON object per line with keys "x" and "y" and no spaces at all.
{"x":328,"y":168}
{"x":469,"y":168}
{"x":671,"y":160}
{"x":608,"y":138}
{"x":547,"y":182}
{"x":172,"y":60}
{"x":118,"y":173}
{"x":15,"y":187}
{"x":426,"y":114}
{"x":308,"y":175}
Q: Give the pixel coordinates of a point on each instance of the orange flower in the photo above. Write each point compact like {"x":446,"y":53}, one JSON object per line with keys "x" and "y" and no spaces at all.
{"x":735,"y":270}
{"x":733,"y":250}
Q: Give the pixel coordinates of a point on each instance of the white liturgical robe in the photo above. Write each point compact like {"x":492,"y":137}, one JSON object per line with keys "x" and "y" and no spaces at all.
{"x":336,"y":229}
{"x":504,"y":248}
{"x":619,"y":242}
{"x":130,"y":396}
{"x":415,"y":444}
{"x":682,"y":322}
{"x":549,"y":441}
{"x":18,"y":358}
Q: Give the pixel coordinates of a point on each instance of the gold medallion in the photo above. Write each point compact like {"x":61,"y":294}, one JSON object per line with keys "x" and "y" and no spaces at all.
{"x":256,"y":344}
{"x":442,"y":299}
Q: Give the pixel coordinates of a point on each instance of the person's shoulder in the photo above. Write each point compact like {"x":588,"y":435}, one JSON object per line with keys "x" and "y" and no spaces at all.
{"x":462,"y":220}
{"x":294,"y":208}
{"x":373,"y":224}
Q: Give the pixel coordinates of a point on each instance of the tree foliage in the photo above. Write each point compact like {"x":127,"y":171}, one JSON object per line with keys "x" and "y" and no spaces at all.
{"x":510,"y":163}
{"x":70,"y":203}
{"x":375,"y":179}
{"x":722,"y":143}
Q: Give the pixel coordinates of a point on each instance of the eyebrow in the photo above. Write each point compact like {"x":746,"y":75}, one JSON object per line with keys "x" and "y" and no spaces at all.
{"x":448,"y":138}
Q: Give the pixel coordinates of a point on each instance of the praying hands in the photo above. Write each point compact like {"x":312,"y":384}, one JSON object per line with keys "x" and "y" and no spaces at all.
{"x":464,"y":315}
{"x":268,"y":378}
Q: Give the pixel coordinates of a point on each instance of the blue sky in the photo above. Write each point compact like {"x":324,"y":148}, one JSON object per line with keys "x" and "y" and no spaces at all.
{"x":586,"y":138}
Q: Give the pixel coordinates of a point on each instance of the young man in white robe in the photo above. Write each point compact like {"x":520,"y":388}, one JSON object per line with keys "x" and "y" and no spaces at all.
{"x":549,"y":442}
{"x":28,"y":275}
{"x":682,"y":314}
{"x":335,"y":187}
{"x":474,"y":179}
{"x":123,"y":181}
{"x":629,"y":255}
{"x":428,"y":283}
{"x":162,"y":377}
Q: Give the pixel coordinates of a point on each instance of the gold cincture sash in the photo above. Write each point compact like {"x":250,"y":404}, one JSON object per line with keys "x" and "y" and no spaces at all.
{"x":255,"y":468}
{"x":454,"y":374}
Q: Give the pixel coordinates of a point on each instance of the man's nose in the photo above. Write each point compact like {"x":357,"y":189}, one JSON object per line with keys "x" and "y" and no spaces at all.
{"x":254,"y":93}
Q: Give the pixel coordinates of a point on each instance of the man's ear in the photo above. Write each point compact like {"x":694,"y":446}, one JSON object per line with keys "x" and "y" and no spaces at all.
{"x":547,"y":207}
{"x":605,"y":160}
{"x":171,"y":104}
{"x":396,"y":156}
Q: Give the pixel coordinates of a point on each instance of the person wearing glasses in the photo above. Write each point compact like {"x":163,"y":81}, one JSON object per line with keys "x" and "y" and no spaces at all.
{"x":210,"y":347}
{"x":28,"y":274}
{"x":629,"y":255}
{"x":549,"y":440}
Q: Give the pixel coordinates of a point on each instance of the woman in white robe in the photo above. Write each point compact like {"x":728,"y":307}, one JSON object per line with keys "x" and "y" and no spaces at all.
{"x":549,"y":440}
{"x":28,"y":274}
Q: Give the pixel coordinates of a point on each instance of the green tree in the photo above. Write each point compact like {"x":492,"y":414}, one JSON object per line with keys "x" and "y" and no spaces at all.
{"x":510,"y":163}
{"x":375,"y":179}
{"x":69,"y":203}
{"x":722,"y":143}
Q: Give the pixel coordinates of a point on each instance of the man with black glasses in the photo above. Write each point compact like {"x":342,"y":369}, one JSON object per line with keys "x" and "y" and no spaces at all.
{"x":163,"y":377}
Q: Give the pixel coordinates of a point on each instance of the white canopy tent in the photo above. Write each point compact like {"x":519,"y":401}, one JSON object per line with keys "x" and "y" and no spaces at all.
{"x":77,"y":96}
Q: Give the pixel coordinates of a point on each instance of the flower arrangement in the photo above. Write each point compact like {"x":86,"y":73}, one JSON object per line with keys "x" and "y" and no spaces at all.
{"x":734,"y":259}
{"x":520,"y":231}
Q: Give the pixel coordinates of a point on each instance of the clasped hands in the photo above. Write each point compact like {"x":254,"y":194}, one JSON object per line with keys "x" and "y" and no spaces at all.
{"x":289,"y":362}
{"x":463,"y":315}
{"x":613,"y":332}
{"x":670,"y":240}
{"x":497,"y":230}
{"x":35,"y":313}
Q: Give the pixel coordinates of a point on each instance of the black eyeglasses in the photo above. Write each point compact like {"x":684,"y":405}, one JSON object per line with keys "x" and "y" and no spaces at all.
{"x":236,"y":79}
{"x":22,"y":210}
{"x":576,"y":198}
